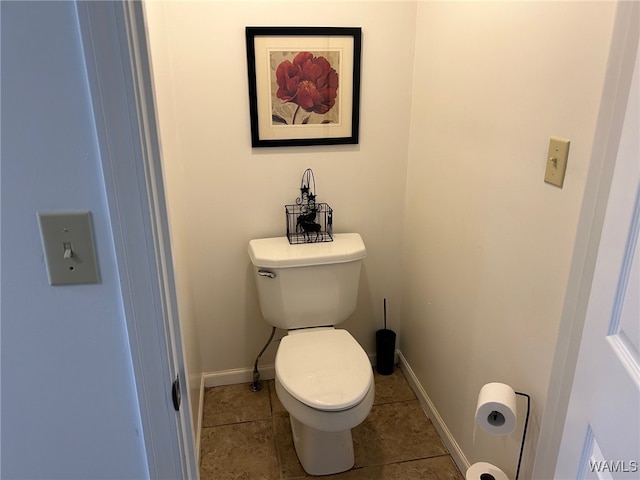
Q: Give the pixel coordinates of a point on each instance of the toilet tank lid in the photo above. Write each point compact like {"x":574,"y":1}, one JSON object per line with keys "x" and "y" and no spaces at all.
{"x":279,"y":253}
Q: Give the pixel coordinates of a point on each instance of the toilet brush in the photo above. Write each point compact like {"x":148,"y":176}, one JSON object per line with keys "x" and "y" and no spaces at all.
{"x":384,"y":312}
{"x":385,"y":347}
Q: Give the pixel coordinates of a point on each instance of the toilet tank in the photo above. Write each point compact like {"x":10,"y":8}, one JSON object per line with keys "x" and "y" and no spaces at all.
{"x":310,"y":284}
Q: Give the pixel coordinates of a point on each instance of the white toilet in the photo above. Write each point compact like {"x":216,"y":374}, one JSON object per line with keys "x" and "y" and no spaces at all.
{"x":323,"y":376}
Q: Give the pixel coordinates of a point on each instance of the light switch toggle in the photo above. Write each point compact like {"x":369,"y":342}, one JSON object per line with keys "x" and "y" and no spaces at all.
{"x":68,"y":251}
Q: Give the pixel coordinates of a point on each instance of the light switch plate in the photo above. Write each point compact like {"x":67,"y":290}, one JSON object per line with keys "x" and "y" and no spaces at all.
{"x":69,"y":251}
{"x":557,"y":161}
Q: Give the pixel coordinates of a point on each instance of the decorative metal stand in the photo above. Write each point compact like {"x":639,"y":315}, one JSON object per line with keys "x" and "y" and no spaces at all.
{"x":307,"y":220}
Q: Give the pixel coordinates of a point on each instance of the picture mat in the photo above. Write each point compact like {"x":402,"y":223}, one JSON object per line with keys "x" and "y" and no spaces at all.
{"x":264,"y":45}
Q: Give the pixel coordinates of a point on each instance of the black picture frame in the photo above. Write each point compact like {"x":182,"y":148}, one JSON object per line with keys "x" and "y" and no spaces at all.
{"x":304,"y":85}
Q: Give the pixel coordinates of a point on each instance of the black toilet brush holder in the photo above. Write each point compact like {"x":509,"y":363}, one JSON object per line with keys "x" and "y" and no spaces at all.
{"x":385,"y":347}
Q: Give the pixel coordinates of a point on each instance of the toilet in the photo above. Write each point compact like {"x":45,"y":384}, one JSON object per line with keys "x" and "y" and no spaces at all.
{"x":323,"y":378}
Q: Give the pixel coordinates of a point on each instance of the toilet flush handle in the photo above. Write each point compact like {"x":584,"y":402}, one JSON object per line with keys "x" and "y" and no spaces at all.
{"x":266,"y":273}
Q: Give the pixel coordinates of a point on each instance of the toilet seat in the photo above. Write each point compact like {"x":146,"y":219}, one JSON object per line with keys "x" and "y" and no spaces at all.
{"x":324,"y":368}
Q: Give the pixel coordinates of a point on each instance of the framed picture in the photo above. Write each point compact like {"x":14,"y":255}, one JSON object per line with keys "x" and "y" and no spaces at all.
{"x":304,"y":85}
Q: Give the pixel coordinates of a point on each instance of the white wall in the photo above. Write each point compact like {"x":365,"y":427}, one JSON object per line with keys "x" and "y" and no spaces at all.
{"x":69,"y":406}
{"x":488,"y":244}
{"x":222,"y":193}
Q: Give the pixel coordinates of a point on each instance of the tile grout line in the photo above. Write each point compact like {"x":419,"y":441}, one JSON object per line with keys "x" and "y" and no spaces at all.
{"x":241,"y":422}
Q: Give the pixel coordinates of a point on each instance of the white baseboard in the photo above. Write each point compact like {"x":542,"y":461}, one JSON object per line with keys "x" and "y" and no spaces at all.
{"x":200,"y":417}
{"x":237,"y":375}
{"x":427,"y":405}
{"x":373,"y":358}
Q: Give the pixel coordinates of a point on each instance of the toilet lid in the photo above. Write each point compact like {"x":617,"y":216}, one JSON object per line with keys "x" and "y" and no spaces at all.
{"x":325,"y":369}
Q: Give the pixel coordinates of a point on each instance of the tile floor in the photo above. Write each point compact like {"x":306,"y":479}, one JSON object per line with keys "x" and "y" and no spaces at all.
{"x":247,"y":435}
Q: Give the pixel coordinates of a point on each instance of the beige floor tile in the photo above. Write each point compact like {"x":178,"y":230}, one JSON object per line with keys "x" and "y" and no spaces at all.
{"x":244,"y":451}
{"x":233,"y":404}
{"x":436,"y":468}
{"x":247,"y":435}
{"x":392,"y":388}
{"x":395,"y":432}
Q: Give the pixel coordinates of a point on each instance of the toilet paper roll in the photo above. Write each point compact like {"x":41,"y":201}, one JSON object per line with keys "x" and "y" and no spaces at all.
{"x":485,"y":471}
{"x":496,"y":411}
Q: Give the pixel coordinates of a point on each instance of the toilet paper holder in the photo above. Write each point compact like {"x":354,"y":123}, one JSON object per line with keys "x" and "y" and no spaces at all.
{"x":497,"y":416}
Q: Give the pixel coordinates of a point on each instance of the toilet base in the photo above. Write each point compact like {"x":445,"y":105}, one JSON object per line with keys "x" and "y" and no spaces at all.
{"x":322,"y":453}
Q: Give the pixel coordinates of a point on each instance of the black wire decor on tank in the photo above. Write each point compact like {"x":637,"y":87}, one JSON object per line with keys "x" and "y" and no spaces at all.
{"x":309,"y":221}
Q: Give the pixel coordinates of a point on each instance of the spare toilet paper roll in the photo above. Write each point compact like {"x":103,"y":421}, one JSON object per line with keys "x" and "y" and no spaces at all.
{"x":485,"y":471}
{"x":496,"y":410}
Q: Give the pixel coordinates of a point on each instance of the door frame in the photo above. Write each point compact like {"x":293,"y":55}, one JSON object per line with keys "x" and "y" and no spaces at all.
{"x":613,"y":104}
{"x":113,"y":36}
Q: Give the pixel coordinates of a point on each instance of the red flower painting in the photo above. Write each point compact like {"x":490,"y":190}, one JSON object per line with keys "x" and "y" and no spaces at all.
{"x":308,"y":81}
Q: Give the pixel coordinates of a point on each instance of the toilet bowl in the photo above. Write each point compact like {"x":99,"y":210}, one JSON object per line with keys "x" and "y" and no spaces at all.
{"x":323,"y":376}
{"x":325,"y":381}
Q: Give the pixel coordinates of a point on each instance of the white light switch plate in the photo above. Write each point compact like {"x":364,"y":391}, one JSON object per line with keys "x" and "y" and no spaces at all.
{"x":557,"y":161}
{"x":67,"y":241}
